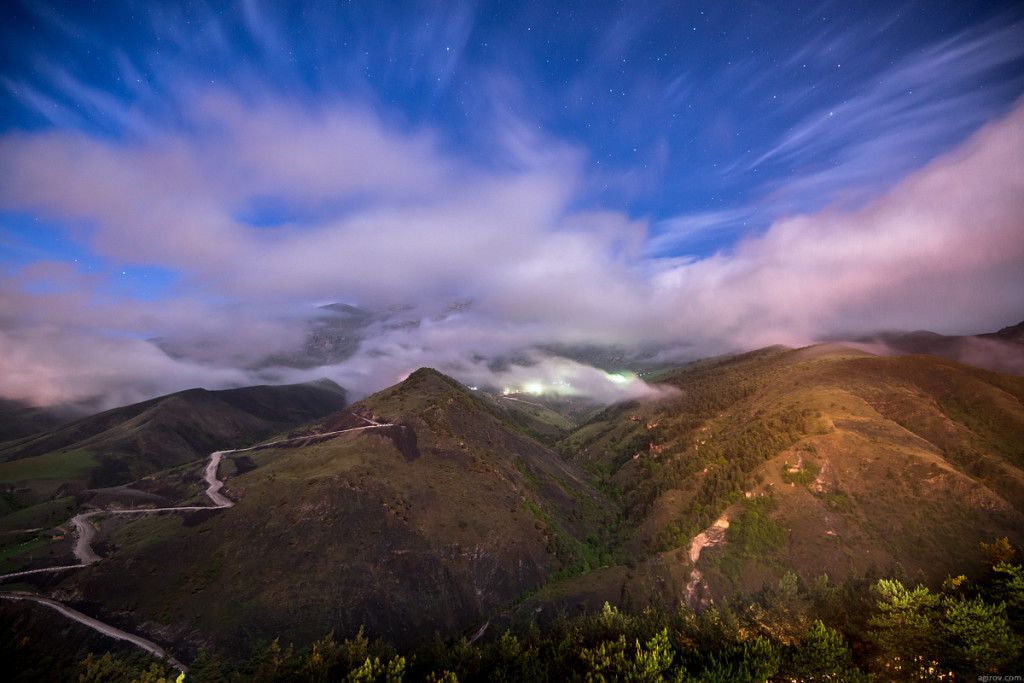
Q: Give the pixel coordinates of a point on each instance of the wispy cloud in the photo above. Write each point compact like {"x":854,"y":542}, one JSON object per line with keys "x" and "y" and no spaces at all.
{"x":47,"y":366}
{"x":256,"y":202}
{"x":859,"y":145}
{"x":537,"y":272}
{"x":681,"y":232}
{"x":946,"y":238}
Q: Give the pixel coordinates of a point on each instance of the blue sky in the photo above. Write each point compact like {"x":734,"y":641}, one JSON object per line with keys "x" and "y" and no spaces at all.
{"x":709,"y":176}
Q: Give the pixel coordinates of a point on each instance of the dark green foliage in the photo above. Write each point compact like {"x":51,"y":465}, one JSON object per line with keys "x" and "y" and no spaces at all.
{"x":754,"y":536}
{"x":821,"y":655}
{"x":975,"y":635}
{"x":818,"y":632}
{"x":999,"y":551}
{"x":1006,"y":585}
{"x":93,"y":669}
{"x":748,"y":662}
{"x":917,"y":633}
{"x":804,"y":476}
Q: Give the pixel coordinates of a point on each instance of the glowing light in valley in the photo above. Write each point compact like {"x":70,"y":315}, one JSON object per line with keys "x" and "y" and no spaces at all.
{"x":622,"y":381}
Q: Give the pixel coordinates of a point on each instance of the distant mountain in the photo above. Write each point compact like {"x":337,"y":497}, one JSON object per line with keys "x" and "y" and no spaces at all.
{"x":1013,"y":334}
{"x":19,"y":419}
{"x":335,"y":334}
{"x":120,"y":445}
{"x":1002,"y":351}
{"x":337,"y":331}
{"x":641,"y":360}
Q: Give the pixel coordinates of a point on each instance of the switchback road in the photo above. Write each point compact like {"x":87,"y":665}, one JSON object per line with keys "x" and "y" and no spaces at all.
{"x":86,"y":530}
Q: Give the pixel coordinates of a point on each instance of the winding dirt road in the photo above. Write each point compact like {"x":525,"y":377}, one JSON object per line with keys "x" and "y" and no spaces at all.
{"x":86,"y":531}
{"x":86,"y":556}
{"x":214,"y":485}
{"x":105,"y":629}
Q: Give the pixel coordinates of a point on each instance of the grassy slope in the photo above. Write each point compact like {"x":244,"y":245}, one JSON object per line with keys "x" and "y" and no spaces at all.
{"x":911,"y":459}
{"x":849,"y":460}
{"x":354,"y":530}
{"x":123,"y":444}
{"x":882,"y":478}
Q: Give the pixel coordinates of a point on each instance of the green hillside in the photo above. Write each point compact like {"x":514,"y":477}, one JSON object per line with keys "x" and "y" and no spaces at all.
{"x":429,"y":508}
{"x":817,"y":460}
{"x":427,"y":525}
{"x":122,"y":445}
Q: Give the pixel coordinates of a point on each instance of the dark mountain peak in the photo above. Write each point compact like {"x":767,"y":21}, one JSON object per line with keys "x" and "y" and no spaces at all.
{"x":426,"y":389}
{"x":347,"y":310}
{"x":1012,"y":333}
{"x":424,"y":386}
{"x":325,"y":383}
{"x":19,"y":419}
{"x":430,"y":377}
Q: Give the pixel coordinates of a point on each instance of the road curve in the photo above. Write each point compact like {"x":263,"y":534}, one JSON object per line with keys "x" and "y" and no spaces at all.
{"x":214,"y":485}
{"x":86,"y":531}
{"x":83,"y":549}
{"x":86,"y":555}
{"x":105,"y":629}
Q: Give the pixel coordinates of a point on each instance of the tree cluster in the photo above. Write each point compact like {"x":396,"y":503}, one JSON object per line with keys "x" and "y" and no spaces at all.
{"x":864,"y":628}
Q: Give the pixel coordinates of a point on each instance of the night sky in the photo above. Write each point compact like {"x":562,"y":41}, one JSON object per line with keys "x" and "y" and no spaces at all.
{"x":184,"y":184}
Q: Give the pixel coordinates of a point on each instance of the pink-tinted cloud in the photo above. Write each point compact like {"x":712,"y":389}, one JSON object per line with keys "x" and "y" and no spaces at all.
{"x":47,"y":366}
{"x":379,"y":213}
{"x":942,"y":250}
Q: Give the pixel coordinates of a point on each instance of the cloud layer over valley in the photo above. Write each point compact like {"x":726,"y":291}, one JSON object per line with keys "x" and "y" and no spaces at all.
{"x":198,"y":249}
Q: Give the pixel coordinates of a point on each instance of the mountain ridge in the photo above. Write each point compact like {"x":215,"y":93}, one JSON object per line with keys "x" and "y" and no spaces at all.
{"x":123,"y":444}
{"x":430,"y":507}
{"x":417,"y":509}
{"x":1001,"y":351}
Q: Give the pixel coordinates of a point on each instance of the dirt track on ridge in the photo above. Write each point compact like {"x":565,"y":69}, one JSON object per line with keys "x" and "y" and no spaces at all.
{"x":86,"y":531}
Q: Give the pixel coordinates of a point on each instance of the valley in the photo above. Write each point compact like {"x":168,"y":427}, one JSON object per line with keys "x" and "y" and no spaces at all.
{"x":430,"y":508}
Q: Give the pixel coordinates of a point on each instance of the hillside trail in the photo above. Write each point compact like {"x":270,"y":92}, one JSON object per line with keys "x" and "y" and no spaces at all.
{"x":695,"y":590}
{"x":105,"y":629}
{"x":87,"y":530}
{"x":83,"y":549}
